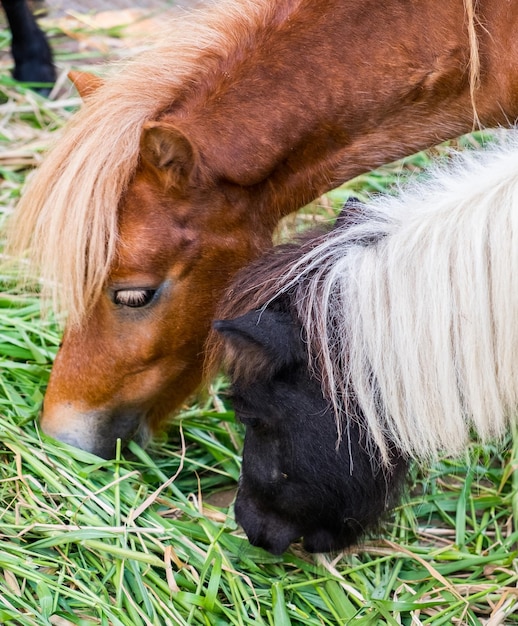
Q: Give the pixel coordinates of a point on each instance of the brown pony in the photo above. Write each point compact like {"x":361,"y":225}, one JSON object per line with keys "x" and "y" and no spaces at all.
{"x":178,"y":168}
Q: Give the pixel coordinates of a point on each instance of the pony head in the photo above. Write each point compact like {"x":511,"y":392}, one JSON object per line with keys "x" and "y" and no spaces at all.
{"x":116,"y":375}
{"x":409,"y":348}
{"x":299,"y":478}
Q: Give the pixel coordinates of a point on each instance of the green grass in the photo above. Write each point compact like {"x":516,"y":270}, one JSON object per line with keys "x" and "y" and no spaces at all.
{"x":140,"y":540}
{"x":120,"y":542}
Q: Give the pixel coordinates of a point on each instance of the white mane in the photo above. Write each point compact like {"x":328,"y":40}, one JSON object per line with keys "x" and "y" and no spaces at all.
{"x":414,"y":309}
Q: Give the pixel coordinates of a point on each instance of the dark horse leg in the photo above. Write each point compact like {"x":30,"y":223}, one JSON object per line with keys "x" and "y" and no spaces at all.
{"x":30,"y":49}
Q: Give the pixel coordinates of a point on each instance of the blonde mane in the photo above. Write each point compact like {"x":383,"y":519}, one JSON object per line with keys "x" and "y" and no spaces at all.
{"x":66,"y":221}
{"x":474,"y":58}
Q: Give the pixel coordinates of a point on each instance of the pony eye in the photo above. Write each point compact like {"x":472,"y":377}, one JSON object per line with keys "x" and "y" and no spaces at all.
{"x":246,"y":420}
{"x":245,"y":413}
{"x":134,"y":298}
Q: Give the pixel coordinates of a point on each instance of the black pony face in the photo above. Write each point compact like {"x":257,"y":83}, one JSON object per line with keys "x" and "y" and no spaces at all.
{"x":296,"y":483}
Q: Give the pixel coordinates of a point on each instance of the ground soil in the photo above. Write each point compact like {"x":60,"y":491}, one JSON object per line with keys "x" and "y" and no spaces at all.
{"x":63,"y":7}
{"x":86,"y":33}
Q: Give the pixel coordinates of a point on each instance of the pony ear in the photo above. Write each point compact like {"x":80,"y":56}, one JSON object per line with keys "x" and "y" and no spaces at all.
{"x":260,"y":340}
{"x":167,"y":150}
{"x":348,"y":215}
{"x":84,"y":82}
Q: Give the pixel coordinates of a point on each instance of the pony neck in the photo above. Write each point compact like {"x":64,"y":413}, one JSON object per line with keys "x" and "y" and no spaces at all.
{"x":260,"y":119}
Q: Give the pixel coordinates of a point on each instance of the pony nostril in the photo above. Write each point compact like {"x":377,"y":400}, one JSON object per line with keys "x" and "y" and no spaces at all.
{"x":264,"y":527}
{"x":94,"y":431}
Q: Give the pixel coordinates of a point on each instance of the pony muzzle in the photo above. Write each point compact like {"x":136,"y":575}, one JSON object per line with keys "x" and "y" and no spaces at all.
{"x":94,"y":431}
